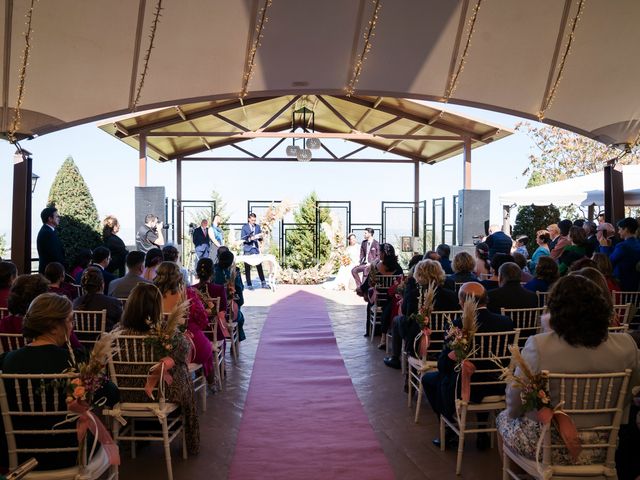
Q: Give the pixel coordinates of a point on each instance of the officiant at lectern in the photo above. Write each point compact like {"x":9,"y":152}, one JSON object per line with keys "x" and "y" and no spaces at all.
{"x":250,"y":235}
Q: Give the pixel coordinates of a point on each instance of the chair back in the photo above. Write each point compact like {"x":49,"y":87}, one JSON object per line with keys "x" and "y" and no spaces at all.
{"x":595,"y":402}
{"x":440,"y":321}
{"x":31,"y":405}
{"x":543,"y":297}
{"x":486,"y":348}
{"x":211,"y":332}
{"x":4,"y":312}
{"x":129,"y":368}
{"x":11,"y":341}
{"x":622,"y":298}
{"x":383,"y":283}
{"x":527,"y":320}
{"x":89,"y":325}
{"x":622,"y":314}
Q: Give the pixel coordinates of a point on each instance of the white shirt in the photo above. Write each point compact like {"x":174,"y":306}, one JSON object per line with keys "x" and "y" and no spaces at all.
{"x":366,"y":258}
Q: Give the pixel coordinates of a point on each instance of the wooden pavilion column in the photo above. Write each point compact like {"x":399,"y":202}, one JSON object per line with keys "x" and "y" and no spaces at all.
{"x":613,"y":194}
{"x":466,"y":158}
{"x":416,"y":199}
{"x":21,"y":213}
{"x":142,"y":161}
{"x":178,"y":226}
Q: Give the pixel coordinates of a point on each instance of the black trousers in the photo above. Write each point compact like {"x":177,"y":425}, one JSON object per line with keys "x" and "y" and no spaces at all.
{"x":247,"y":273}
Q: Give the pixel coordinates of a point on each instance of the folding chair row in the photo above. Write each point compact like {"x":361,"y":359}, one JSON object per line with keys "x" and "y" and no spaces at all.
{"x":374,"y":317}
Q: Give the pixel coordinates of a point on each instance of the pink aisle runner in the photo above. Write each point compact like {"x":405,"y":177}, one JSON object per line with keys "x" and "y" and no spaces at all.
{"x":302,"y":418}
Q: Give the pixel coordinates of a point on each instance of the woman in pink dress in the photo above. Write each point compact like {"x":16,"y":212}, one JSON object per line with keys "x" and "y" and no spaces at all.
{"x":171,"y":284}
{"x":208,"y":290}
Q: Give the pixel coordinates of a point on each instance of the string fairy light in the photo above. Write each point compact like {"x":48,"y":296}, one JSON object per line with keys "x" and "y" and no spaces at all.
{"x":552,"y":93}
{"x":17,"y":113}
{"x":251,"y":59}
{"x":147,"y":55}
{"x":455,"y":76}
{"x":366,"y":48}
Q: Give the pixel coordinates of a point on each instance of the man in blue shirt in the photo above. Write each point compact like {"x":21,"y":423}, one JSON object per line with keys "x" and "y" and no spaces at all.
{"x":625,"y":255}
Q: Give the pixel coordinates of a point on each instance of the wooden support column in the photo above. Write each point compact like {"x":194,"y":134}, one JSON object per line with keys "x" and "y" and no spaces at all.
{"x":613,"y":194}
{"x":466,"y":158}
{"x":21,"y":213}
{"x":142,"y":161}
{"x":416,"y":199}
{"x":178,"y":226}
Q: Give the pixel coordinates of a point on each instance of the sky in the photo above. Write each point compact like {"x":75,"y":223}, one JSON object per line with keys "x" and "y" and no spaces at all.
{"x":110,"y":169}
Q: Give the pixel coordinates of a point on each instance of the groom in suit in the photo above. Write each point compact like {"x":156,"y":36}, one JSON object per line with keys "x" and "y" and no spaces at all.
{"x":49,"y":246}
{"x":202,"y":240}
{"x":369,"y":252}
{"x":250,"y":235}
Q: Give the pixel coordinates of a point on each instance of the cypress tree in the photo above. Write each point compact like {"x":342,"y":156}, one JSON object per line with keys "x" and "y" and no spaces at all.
{"x":79,"y":223}
{"x":301,"y":242}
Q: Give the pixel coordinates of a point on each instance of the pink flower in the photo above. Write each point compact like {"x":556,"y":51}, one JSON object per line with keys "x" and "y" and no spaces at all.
{"x":78,"y":392}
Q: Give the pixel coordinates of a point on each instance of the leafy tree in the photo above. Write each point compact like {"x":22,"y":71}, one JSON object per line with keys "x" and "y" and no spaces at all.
{"x":300,"y":243}
{"x":79,"y":222}
{"x":3,"y":245}
{"x":559,"y":154}
{"x":532,"y":218}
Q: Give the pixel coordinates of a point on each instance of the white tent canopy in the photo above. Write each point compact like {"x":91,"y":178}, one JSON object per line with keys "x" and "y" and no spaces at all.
{"x":582,"y":191}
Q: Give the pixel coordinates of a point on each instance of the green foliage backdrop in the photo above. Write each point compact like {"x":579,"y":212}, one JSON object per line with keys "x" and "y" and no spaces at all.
{"x":530,"y":219}
{"x":79,"y":223}
{"x":300,"y":243}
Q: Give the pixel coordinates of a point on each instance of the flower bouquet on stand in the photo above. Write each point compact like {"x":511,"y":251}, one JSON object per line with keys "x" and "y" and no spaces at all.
{"x":82,"y":397}
{"x":460,"y":342}
{"x":422,"y":317}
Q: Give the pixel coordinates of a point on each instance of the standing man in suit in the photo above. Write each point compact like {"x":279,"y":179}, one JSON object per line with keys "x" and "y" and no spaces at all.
{"x":369,"y":252}
{"x":250,"y":235}
{"x":202,"y":240}
{"x":50,"y":247}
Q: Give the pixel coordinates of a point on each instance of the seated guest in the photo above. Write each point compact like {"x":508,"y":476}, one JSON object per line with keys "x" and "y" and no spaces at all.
{"x":603,"y":264}
{"x":392,"y":312}
{"x":121,"y":287}
{"x":510,"y":294}
{"x":208,"y":290}
{"x":82,"y":261}
{"x":143,"y":310}
{"x":170,"y":282}
{"x":584,"y":262}
{"x":546,"y":274}
{"x":426,"y":271}
{"x":170,"y":254}
{"x":521,"y":261}
{"x":494,"y":280}
{"x":576,"y":249}
{"x":625,"y":255}
{"x":49,"y":322}
{"x":226,"y":273}
{"x":94,"y":300}
{"x":554,"y":234}
{"x":100,"y":259}
{"x":483,"y":267}
{"x":578,"y":343}
{"x":152,"y":259}
{"x":439,"y":386}
{"x":443,"y":252}
{"x":596,"y":277}
{"x":521,"y":246}
{"x":54,"y":272}
{"x":463,"y":267}
{"x":8,"y":275}
{"x":543,"y":240}
{"x":24,"y":289}
{"x":592,"y":243}
{"x":563,"y":240}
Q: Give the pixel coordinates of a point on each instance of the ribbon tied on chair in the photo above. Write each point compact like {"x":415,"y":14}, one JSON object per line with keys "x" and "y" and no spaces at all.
{"x":159,"y":375}
{"x":565,"y":426}
{"x":466,"y":368}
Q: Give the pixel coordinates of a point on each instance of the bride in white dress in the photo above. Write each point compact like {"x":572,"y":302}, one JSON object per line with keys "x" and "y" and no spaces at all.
{"x":344,"y":280}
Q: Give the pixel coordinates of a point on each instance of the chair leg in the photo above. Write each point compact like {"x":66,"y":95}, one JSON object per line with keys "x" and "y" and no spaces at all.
{"x":133,"y":442}
{"x":418,"y":404}
{"x":505,"y":466}
{"x":184,"y":439}
{"x":203,"y":390}
{"x":409,"y":387}
{"x":461,"y":427}
{"x":372,"y":328}
{"x":387,"y":345}
{"x":167,"y":449}
{"x":443,"y":441}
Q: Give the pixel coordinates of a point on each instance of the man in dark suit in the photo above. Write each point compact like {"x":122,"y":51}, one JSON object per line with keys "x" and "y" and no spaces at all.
{"x":100,"y":259}
{"x":369,"y":252}
{"x":510,"y":294}
{"x":440,"y":385}
{"x":50,"y":247}
{"x":250,"y":235}
{"x":498,"y":241}
{"x":202,"y":240}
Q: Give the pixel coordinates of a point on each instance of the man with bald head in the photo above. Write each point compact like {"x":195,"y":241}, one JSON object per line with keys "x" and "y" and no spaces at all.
{"x":439,"y":386}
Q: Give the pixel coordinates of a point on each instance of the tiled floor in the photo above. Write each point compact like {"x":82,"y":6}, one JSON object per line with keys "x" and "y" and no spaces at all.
{"x":407,"y":445}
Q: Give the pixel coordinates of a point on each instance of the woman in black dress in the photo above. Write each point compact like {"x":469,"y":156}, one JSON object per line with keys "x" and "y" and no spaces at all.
{"x":110,"y":228}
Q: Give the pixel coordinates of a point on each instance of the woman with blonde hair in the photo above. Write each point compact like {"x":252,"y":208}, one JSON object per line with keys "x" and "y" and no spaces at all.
{"x":463,"y":266}
{"x":170,"y":282}
{"x":110,"y":228}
